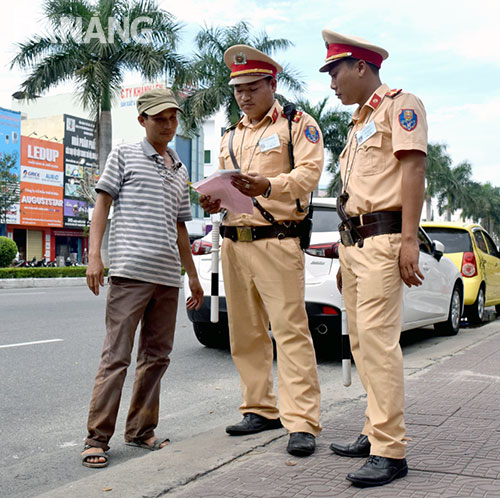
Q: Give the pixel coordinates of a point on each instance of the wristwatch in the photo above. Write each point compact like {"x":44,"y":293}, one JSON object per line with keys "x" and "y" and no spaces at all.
{"x":267,"y":193}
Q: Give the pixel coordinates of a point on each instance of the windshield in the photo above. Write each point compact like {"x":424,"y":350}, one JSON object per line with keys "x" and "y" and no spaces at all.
{"x":454,"y":239}
{"x":325,"y":219}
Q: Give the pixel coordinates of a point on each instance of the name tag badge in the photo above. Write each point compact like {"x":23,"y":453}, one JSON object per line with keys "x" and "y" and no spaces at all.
{"x":269,"y":143}
{"x":366,"y":132}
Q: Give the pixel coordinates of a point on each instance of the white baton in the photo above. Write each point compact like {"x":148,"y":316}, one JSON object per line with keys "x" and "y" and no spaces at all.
{"x":214,"y":291}
{"x":346,"y":346}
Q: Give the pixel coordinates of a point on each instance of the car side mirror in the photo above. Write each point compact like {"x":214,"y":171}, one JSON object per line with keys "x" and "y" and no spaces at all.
{"x":437,"y":249}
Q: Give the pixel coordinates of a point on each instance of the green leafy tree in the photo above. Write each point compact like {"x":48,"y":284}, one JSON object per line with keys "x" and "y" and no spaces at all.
{"x":335,"y":125}
{"x":438,"y":164}
{"x":453,"y":194}
{"x":8,"y":250}
{"x":94,"y":44}
{"x":9,"y":187}
{"x":208,"y":75}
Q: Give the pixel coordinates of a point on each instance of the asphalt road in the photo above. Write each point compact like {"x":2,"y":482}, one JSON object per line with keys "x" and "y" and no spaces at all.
{"x":50,"y":342}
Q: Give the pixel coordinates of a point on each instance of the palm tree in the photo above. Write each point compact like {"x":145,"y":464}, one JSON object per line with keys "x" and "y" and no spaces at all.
{"x":334,"y":124}
{"x":94,"y":44}
{"x":453,"y":194}
{"x":438,"y":164}
{"x":209,"y":76}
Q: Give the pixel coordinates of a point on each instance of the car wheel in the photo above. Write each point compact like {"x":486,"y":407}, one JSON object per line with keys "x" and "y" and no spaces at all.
{"x":212,"y":335}
{"x":497,"y":309}
{"x":475,"y":312}
{"x":452,"y":325}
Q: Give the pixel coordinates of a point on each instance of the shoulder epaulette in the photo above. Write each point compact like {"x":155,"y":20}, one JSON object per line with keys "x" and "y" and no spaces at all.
{"x":393,"y":93}
{"x":296,"y":117}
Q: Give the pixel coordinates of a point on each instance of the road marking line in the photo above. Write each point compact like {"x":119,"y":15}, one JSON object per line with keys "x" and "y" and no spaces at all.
{"x":30,"y":343}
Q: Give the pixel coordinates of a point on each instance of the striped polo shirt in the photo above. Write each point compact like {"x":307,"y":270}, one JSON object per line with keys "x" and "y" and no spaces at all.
{"x":148,"y":201}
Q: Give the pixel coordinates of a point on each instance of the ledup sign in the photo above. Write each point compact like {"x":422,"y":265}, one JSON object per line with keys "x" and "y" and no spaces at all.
{"x":42,"y":179}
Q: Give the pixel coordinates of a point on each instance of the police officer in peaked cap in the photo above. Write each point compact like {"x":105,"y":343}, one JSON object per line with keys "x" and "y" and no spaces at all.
{"x":382,"y":171}
{"x":262,"y":259}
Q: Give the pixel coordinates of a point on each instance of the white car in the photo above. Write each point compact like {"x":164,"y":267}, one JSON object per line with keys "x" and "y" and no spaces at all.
{"x":438,"y":301}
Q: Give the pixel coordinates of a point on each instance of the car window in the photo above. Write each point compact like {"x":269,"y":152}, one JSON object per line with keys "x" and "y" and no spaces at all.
{"x":424,"y":243}
{"x":492,"y":248}
{"x":325,"y":219}
{"x":481,"y":244}
{"x":454,"y":239}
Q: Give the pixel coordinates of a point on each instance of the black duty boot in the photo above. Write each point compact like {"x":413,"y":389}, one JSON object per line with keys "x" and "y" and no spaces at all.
{"x":359,"y":449}
{"x":253,"y":423}
{"x":378,"y":471}
{"x":301,"y":444}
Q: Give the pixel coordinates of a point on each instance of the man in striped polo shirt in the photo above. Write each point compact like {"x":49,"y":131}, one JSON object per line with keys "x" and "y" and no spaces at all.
{"x":147,"y":185}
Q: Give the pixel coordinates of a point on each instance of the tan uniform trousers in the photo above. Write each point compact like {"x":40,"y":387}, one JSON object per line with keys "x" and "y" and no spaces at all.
{"x":130,"y":302}
{"x":264,"y":282}
{"x":373,"y":290}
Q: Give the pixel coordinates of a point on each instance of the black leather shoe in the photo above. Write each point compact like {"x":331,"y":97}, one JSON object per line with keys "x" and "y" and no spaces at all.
{"x":253,"y":423}
{"x":301,"y":444}
{"x":359,"y":449}
{"x":378,"y":471}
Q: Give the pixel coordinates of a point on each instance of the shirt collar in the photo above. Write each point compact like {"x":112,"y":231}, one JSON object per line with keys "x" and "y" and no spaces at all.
{"x":272,"y":115}
{"x":371,"y":104}
{"x":150,"y":151}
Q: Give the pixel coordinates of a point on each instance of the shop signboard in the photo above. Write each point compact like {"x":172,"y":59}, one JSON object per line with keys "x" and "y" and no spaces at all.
{"x":79,"y":155}
{"x":10,"y":143}
{"x":42,"y":178}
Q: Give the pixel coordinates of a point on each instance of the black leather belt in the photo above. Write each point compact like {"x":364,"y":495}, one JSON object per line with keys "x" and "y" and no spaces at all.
{"x":378,"y":223}
{"x":248,"y":234}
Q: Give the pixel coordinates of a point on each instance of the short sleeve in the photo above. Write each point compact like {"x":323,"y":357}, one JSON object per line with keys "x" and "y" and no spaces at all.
{"x":409,"y":124}
{"x":112,"y":176}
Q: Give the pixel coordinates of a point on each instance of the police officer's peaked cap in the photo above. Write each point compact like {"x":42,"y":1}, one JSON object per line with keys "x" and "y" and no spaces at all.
{"x":341,"y":46}
{"x":247,"y":64}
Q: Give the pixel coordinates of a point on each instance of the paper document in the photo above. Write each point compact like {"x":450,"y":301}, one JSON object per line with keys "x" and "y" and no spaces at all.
{"x":218,"y":186}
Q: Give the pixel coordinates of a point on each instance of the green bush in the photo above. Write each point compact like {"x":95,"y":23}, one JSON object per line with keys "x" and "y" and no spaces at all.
{"x":8,"y":250}
{"x":53,"y":272}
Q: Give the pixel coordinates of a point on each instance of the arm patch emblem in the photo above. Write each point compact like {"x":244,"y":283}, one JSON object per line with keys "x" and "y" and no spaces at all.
{"x":408,"y":119}
{"x":312,"y":134}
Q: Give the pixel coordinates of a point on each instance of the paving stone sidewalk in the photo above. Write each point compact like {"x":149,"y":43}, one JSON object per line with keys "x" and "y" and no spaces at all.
{"x":453,"y":420}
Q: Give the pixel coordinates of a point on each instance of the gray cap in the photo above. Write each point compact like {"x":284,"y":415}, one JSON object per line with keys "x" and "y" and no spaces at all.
{"x":157,"y":100}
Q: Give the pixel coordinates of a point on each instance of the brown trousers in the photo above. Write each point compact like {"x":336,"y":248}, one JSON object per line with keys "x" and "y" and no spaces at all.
{"x":128,"y":303}
{"x":264,"y":282}
{"x":373,"y":291}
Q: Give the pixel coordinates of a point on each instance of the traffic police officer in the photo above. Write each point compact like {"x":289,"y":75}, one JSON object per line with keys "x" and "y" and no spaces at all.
{"x":262,"y":261}
{"x":382,"y":170}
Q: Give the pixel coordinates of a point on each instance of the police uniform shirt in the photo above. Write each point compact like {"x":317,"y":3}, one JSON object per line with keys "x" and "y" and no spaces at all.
{"x":263,"y":148}
{"x":390,"y":121}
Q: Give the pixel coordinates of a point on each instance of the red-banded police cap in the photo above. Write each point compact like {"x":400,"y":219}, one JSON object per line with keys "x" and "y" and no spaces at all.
{"x":247,"y":64}
{"x":341,"y":46}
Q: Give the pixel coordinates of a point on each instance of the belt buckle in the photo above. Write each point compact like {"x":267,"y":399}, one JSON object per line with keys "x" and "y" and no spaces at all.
{"x":244,"y":234}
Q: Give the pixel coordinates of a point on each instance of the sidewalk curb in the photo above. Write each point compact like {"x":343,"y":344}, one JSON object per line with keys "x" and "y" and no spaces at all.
{"x":26,"y":283}
{"x":179,"y":464}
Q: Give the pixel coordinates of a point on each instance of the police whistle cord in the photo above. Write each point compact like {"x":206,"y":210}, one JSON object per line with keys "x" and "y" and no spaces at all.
{"x":346,"y":346}
{"x":214,"y":291}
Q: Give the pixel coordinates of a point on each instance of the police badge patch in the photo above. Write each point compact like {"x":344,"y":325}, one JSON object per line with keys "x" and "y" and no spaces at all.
{"x":408,"y":119}
{"x":312,"y":134}
{"x":240,"y":59}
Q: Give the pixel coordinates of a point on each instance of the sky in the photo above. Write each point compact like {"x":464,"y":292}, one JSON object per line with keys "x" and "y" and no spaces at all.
{"x":444,"y":51}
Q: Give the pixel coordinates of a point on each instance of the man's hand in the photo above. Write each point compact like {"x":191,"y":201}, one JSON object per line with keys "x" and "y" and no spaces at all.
{"x":95,"y":274}
{"x":208,"y":205}
{"x":196,"y":299}
{"x":252,"y":184}
{"x":408,"y":264}
{"x":339,"y":280}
